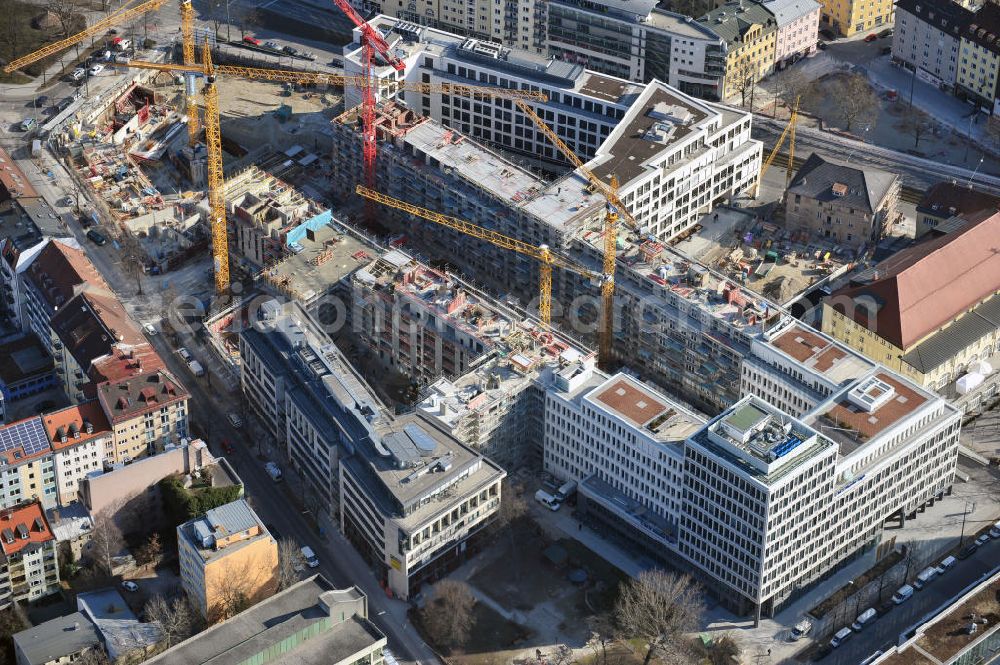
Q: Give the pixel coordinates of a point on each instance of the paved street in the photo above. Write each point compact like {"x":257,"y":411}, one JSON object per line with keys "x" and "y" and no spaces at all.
{"x":340,"y":563}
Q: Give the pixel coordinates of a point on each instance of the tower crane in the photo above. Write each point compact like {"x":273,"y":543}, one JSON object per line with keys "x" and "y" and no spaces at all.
{"x":788,"y":132}
{"x":213,"y":138}
{"x":371,"y":42}
{"x":546,"y":258}
{"x":614,"y":209}
{"x":99,"y":26}
{"x":187,"y":48}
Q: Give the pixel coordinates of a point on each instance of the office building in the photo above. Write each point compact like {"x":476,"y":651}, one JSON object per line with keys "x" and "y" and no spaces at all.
{"x":228,"y":560}
{"x":945,"y":343}
{"x":845,"y":204}
{"x":408,"y":495}
{"x":57,"y":641}
{"x":309,"y":623}
{"x":29,"y":569}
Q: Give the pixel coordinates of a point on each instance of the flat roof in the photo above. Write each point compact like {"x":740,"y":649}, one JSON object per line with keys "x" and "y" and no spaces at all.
{"x":633,"y":403}
{"x":646,"y":408}
{"x":271,"y":622}
{"x":24,"y":357}
{"x":320,"y":261}
{"x":820,"y":354}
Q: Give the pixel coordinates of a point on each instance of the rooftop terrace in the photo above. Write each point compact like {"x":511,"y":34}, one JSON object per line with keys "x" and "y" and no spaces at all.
{"x":645,"y":409}
{"x":820,"y":354}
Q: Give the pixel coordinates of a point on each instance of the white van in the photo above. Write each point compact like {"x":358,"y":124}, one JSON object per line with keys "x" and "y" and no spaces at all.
{"x":924,"y":578}
{"x":839,"y":638}
{"x":945,"y":564}
{"x":547,"y":500}
{"x":902,"y":594}
{"x":311,"y":559}
{"x":863,"y":620}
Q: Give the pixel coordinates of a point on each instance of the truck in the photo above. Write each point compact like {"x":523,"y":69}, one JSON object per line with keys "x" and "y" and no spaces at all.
{"x":925,"y":577}
{"x":196,"y":368}
{"x":566,"y":490}
{"x":310,"y":557}
{"x":274,"y":471}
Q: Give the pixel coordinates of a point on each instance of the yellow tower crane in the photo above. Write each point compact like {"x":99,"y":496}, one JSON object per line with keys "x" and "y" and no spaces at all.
{"x":114,"y":19}
{"x":789,"y":132}
{"x":541,"y":253}
{"x":213,"y":138}
{"x":614,"y":209}
{"x":187,"y":48}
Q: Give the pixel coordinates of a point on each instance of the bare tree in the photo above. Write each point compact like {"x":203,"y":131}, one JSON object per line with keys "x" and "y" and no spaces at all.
{"x":659,"y":607}
{"x":854,"y":98}
{"x":512,"y":508}
{"x":448,"y":617}
{"x":149,"y":552}
{"x":290,"y":562}
{"x":916,"y":123}
{"x":744,"y":81}
{"x":240,"y":587}
{"x":602,"y":635}
{"x":247,"y":19}
{"x":65,"y":13}
{"x":177,"y":618}
{"x":106,"y":540}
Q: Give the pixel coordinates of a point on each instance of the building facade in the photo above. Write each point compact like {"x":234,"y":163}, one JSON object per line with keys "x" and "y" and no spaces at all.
{"x":853,"y":16}
{"x":29,"y":568}
{"x":750,"y":32}
{"x":27,"y":468}
{"x":228,"y":560}
{"x":927,"y":39}
{"x":847,"y":204}
{"x":798,"y":29}
{"x":979,"y":57}
{"x":81,"y":442}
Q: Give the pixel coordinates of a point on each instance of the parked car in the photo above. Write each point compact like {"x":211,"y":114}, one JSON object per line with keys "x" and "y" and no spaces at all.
{"x":945,"y":565}
{"x":272,"y":45}
{"x":822,"y":46}
{"x":101,"y":54}
{"x":97,"y":237}
{"x":150,"y":329}
{"x":547,"y":500}
{"x":95,"y":69}
{"x":274,"y":471}
{"x":968,"y":550}
{"x":840,"y":637}
{"x":78,"y":73}
{"x":885,"y":33}
{"x":252,"y":41}
{"x":872,"y":37}
{"x":307,"y":55}
{"x":983,"y":539}
{"x":310,"y":557}
{"x":800,"y":630}
{"x":924,"y":578}
{"x":130,"y":586}
{"x":864,"y":619}
{"x":184,"y":353}
{"x":995,"y":531}
{"x":902,"y":594}
{"x":27,"y":124}
{"x":40,"y":101}
{"x":234,"y":419}
{"x":290,"y":50}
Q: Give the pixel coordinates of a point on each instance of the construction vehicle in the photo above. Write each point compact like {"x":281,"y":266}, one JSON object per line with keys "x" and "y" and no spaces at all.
{"x":614,"y":209}
{"x":118,"y":17}
{"x":541,"y":253}
{"x":788,"y":132}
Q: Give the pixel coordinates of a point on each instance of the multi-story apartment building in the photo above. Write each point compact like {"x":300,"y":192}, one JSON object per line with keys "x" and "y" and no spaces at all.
{"x":885,"y":313}
{"x":29,"y":568}
{"x":81,"y":440}
{"x":750,"y":33}
{"x":404,"y":491}
{"x":850,"y":17}
{"x":798,"y":29}
{"x":422,"y":322}
{"x":520,"y":23}
{"x":927,"y":39}
{"x":979,"y":57}
{"x":146,"y":408}
{"x":852,"y":205}
{"x":27,"y":471}
{"x":227,"y":560}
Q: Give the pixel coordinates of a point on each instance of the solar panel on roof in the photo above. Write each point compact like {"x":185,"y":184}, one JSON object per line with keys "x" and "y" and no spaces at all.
{"x":29,"y":435}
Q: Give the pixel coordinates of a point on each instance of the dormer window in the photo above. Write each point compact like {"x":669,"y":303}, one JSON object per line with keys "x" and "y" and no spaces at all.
{"x":22,"y":532}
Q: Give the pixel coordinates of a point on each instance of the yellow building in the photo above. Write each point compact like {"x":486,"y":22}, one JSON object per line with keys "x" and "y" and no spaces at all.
{"x":978,"y":72}
{"x":848,"y":17}
{"x":228,"y":560}
{"x":750,"y":31}
{"x":146,"y":411}
{"x":929,"y":311}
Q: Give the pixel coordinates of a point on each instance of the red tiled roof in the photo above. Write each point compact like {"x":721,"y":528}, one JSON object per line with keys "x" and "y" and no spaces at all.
{"x":59,"y":422}
{"x":22,"y":526}
{"x":13,"y":183}
{"x":60,"y":271}
{"x":124,"y":399}
{"x":922,"y":288}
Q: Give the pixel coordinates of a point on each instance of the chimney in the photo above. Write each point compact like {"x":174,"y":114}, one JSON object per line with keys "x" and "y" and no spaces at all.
{"x":88,"y":426}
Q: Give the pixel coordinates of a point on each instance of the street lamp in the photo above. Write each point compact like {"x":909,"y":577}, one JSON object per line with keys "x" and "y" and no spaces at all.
{"x":969,"y":181}
{"x":965,"y":514}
